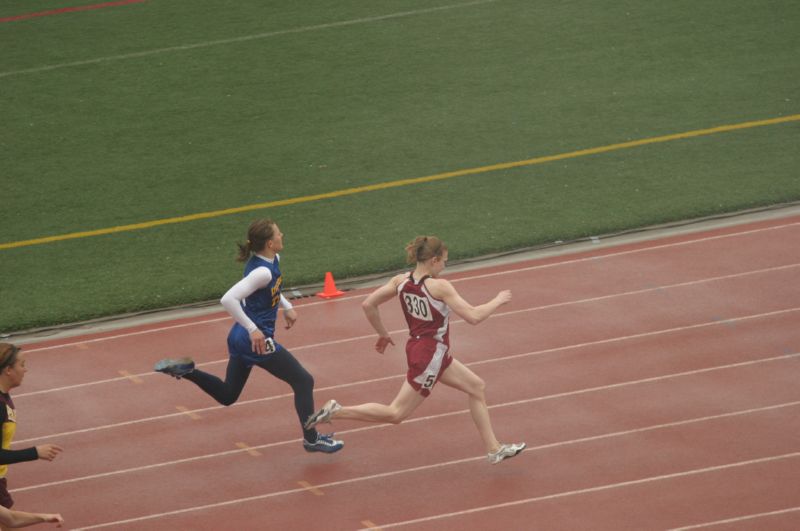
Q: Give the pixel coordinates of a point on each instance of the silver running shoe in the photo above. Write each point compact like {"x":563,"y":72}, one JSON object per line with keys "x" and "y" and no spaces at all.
{"x":323,"y":415}
{"x":176,"y":368}
{"x":324,"y":443}
{"x":506,"y":451}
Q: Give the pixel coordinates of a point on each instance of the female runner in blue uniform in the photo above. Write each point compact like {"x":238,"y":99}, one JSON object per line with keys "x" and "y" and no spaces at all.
{"x":426,"y":302}
{"x":253,"y":303}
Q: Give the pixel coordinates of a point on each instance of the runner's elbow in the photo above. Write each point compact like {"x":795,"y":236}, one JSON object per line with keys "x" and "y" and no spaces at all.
{"x":473,"y":319}
{"x":228,"y":300}
{"x":397,"y":417}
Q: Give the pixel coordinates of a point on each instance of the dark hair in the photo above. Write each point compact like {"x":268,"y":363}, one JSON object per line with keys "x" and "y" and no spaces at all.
{"x":258,"y":234}
{"x":8,"y":355}
{"x":424,"y":248}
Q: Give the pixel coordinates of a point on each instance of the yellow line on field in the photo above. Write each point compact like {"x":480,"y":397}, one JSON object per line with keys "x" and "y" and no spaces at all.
{"x":402,"y":182}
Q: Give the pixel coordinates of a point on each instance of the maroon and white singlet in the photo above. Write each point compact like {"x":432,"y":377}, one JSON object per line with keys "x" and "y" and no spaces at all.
{"x":428,"y":321}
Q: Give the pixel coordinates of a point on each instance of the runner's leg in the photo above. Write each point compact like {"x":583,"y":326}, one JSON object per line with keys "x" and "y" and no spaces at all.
{"x":227,"y":392}
{"x":283,"y":365}
{"x":406,"y":401}
{"x":458,"y":376}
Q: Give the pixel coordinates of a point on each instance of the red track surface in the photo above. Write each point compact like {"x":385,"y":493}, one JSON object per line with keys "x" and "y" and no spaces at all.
{"x":655,"y":383}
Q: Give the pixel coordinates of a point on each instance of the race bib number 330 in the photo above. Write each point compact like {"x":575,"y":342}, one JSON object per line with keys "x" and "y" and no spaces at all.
{"x":417,"y":306}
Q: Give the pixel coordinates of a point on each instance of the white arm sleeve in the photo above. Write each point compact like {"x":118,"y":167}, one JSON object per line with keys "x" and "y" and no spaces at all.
{"x":232,"y":300}
{"x":285,"y":304}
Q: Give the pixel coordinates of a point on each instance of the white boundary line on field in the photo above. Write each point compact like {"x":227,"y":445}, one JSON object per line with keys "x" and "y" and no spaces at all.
{"x":245,"y":38}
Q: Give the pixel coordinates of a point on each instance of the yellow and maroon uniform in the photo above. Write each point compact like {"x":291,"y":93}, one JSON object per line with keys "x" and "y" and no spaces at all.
{"x":8,"y":421}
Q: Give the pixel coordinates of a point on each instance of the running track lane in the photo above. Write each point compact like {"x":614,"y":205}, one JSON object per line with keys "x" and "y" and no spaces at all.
{"x":591,"y":380}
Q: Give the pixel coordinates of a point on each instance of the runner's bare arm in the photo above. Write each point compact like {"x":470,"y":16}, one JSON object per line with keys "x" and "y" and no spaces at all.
{"x":370,"y":307}
{"x":444,"y":290}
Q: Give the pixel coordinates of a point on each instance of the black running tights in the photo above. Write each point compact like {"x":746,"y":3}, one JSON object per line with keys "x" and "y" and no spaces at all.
{"x":281,"y":364}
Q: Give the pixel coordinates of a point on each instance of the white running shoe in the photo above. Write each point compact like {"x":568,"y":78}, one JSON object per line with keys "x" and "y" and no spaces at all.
{"x":323,"y":415}
{"x":506,"y":451}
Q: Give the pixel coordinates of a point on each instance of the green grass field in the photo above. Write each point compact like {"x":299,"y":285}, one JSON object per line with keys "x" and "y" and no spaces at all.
{"x":163,"y":109}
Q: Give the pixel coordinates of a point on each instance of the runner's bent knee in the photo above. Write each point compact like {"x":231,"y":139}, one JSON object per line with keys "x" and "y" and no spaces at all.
{"x":304,"y":380}
{"x":398,"y":416}
{"x":227,"y":400}
{"x":475,"y":388}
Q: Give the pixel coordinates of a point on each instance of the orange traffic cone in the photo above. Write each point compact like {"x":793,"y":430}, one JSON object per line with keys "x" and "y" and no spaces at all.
{"x":329,"y":290}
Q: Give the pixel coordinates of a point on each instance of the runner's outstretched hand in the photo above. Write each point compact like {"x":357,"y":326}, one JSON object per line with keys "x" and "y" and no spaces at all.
{"x":382,"y":343}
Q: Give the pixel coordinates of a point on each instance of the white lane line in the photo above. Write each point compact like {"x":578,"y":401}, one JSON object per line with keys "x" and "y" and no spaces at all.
{"x":737,"y":519}
{"x":463,"y":279}
{"x":449,"y":414}
{"x":636,"y":251}
{"x":454,"y":321}
{"x":205,"y":364}
{"x":127,"y":334}
{"x":245,"y":38}
{"x":599,"y":488}
{"x":396,"y":376}
{"x":481,"y":458}
{"x":200,"y":410}
{"x":714,"y":322}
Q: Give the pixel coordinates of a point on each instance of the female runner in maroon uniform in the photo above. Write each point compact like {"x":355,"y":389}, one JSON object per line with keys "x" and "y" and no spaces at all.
{"x":427,"y":302}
